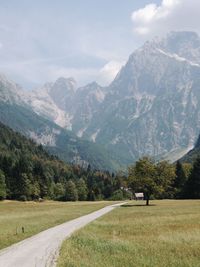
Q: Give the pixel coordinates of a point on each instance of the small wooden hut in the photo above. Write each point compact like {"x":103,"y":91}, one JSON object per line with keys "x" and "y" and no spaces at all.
{"x":139,"y":196}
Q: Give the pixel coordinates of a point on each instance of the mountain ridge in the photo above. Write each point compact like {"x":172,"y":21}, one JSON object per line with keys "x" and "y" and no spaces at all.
{"x":151,"y":107}
{"x":19,"y":116}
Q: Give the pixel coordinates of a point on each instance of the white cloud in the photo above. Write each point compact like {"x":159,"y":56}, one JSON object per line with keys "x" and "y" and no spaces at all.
{"x":146,"y":14}
{"x":170,"y":15}
{"x":109,"y":72}
{"x":30,"y":76}
{"x":81,"y":75}
{"x":103,"y":76}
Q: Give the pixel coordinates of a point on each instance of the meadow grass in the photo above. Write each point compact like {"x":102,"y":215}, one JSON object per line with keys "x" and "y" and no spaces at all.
{"x":165,"y":234}
{"x":36,"y":217}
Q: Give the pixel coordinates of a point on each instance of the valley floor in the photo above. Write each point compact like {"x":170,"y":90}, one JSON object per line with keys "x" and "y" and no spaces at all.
{"x":35,"y":217}
{"x":165,"y":234}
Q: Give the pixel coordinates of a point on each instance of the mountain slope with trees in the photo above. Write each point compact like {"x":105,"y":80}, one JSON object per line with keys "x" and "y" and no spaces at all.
{"x":28,"y":171}
{"x":55,"y":139}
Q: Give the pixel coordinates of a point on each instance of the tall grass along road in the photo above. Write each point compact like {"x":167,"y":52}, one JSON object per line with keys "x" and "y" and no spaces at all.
{"x":42,"y":249}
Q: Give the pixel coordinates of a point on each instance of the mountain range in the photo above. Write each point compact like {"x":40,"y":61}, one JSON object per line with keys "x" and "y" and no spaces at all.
{"x":151,"y":108}
{"x":16,"y":112}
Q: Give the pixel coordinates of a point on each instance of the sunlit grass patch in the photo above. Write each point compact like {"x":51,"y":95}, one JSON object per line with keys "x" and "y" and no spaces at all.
{"x":164,"y":234}
{"x":36,"y":217}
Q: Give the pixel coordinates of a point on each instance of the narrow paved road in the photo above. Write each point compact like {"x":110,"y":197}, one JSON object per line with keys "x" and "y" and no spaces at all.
{"x":41,"y":250}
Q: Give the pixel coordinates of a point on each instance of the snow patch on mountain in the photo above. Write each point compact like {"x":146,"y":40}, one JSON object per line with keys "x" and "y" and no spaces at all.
{"x":81,"y":132}
{"x":94,"y":135}
{"x":178,"y":58}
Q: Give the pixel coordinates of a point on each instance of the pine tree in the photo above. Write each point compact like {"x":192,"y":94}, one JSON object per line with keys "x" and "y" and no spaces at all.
{"x":24,"y":187}
{"x":82,"y":189}
{"x":192,"y":188}
{"x":2,"y":186}
{"x":59,"y":191}
{"x":180,"y":180}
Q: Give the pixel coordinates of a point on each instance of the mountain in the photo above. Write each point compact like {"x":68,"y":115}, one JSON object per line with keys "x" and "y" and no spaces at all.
{"x":191,"y":156}
{"x":151,"y":108}
{"x":16,"y":112}
{"x":65,"y":104}
{"x":9,"y":91}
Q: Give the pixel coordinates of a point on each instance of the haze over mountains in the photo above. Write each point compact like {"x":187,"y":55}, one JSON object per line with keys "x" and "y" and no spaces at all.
{"x":16,"y":113}
{"x":151,"y":108}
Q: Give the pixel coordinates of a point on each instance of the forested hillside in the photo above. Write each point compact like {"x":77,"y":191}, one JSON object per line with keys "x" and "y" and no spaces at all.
{"x":28,"y":172}
{"x":58,"y":141}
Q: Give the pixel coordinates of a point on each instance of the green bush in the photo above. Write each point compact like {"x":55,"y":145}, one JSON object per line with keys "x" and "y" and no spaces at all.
{"x":22,"y":198}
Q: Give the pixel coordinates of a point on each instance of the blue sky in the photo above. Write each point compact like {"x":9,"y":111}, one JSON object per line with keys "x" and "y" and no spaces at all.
{"x":87,"y":39}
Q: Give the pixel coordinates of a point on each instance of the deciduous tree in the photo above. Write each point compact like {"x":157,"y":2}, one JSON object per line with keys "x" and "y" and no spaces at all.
{"x":71,"y":193}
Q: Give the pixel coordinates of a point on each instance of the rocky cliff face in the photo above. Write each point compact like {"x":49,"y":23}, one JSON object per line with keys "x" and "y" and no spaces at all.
{"x":17,"y":111}
{"x":68,"y":106}
{"x":151,"y":108}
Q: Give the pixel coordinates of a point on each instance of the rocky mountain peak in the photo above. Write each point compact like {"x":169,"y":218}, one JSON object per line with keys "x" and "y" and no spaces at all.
{"x":62,"y":91}
{"x":182,"y":43}
{"x":94,"y":84}
{"x":65,"y":83}
{"x":154,"y":62}
{"x":11,"y":91}
{"x":151,"y":108}
{"x":178,"y":38}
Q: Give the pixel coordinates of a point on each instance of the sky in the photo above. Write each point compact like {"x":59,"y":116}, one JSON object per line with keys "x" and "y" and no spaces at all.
{"x":89,"y":40}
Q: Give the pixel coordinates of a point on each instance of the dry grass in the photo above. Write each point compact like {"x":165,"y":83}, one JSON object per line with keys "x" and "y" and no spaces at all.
{"x":165,"y":234}
{"x":36,"y":217}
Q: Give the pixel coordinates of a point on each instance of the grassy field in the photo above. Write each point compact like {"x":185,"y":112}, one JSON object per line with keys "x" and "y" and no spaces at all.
{"x":35,"y":217}
{"x":165,"y":234}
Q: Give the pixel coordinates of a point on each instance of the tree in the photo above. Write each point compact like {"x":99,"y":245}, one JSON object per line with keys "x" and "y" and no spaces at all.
{"x":165,"y":175}
{"x":2,"y":186}
{"x":180,"y":179}
{"x":117,"y":195}
{"x":35,"y":190}
{"x":91,"y":195}
{"x":192,"y":187}
{"x":24,"y":186}
{"x":143,"y":177}
{"x":59,"y":191}
{"x":82,"y":189}
{"x":71,"y":193}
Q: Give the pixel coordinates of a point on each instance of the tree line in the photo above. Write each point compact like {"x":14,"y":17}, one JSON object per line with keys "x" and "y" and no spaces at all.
{"x":28,"y":172}
{"x":164,"y":180}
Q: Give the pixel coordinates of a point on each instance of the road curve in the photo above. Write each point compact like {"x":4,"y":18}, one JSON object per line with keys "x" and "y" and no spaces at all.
{"x":42,"y":250}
